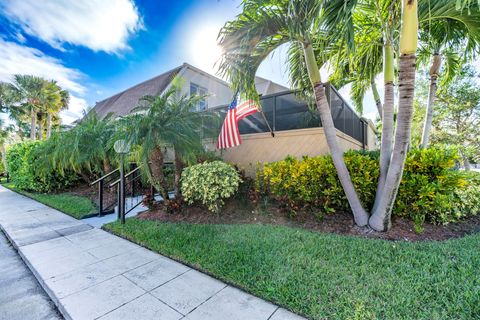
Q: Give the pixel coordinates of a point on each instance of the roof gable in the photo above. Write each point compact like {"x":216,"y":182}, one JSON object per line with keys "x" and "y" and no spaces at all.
{"x":124,"y":102}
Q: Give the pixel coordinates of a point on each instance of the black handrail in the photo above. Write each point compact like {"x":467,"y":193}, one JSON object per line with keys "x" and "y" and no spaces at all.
{"x":126,"y":176}
{"x":101,"y":186}
{"x":104,"y":177}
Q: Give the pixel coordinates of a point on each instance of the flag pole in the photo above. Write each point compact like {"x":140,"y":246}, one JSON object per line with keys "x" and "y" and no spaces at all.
{"x":268,"y":125}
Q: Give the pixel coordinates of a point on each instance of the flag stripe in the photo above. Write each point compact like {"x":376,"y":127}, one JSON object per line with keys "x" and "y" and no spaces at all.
{"x":229,"y":134}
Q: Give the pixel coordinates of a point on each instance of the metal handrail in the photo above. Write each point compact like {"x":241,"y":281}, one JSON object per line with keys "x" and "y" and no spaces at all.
{"x":126,"y":176}
{"x":104,"y":177}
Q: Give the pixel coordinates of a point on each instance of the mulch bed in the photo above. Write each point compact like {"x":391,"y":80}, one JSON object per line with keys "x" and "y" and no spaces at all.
{"x":339,"y":223}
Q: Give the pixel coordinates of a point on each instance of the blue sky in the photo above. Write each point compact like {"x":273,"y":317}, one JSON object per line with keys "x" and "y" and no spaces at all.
{"x":95,"y":48}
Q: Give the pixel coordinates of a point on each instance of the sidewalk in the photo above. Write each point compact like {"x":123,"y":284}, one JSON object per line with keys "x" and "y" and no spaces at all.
{"x":92,"y":274}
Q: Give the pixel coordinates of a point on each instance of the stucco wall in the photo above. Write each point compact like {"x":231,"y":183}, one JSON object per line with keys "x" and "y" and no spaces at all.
{"x":219,"y":93}
{"x":261,"y":147}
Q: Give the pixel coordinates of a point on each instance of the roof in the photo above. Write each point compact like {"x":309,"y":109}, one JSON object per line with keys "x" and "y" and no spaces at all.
{"x":266,"y":87}
{"x":124,"y":102}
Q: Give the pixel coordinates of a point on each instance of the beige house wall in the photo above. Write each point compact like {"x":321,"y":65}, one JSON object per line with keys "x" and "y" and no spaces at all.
{"x":262,"y":147}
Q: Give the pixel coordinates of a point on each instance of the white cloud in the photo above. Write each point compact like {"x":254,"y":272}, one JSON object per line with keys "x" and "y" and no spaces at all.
{"x":17,"y":59}
{"x":75,"y":110}
{"x":97,"y":24}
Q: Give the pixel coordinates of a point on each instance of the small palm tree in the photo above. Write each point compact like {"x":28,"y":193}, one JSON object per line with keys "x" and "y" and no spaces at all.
{"x":162,"y":122}
{"x":84,"y":149}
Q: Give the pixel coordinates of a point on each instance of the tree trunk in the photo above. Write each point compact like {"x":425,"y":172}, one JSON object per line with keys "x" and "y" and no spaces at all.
{"x":49,"y":125}
{"x":107,"y":167}
{"x":466,"y":162}
{"x":359,"y":213}
{"x":33,"y":124}
{"x":434,"y":70}
{"x":381,"y":217}
{"x":178,"y":173}
{"x":387,"y":122}
{"x":376,"y":96}
{"x":4,"y":158}
{"x":157,"y":174}
{"x":40,"y":129}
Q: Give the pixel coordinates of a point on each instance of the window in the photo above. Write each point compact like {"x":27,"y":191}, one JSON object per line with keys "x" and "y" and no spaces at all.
{"x":196,"y":89}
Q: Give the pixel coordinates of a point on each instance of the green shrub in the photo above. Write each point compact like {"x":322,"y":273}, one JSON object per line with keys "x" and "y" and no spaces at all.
{"x":430,"y":190}
{"x":313,"y":181}
{"x":209,"y":183}
{"x":29,"y":171}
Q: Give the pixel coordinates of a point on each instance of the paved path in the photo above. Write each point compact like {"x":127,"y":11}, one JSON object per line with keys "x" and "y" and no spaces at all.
{"x":92,"y":274}
{"x":21,"y":297}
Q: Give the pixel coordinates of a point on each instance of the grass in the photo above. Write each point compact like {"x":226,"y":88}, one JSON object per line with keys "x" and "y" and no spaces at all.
{"x":327,"y":276}
{"x":75,"y":206}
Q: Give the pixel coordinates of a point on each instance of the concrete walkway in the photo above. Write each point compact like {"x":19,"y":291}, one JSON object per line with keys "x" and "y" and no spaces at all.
{"x":92,"y":274}
{"x":21,"y":297}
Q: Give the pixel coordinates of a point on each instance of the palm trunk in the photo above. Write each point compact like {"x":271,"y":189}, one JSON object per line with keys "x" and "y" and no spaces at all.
{"x":49,"y":125}
{"x":157,"y":174}
{"x":376,"y":96}
{"x":381,"y":217}
{"x":434,"y":70}
{"x":107,"y":168}
{"x":387,"y":122}
{"x":359,"y":213}
{"x":466,"y":162}
{"x":33,"y":124}
{"x":40,"y":129}
{"x":178,"y":173}
{"x":4,"y":158}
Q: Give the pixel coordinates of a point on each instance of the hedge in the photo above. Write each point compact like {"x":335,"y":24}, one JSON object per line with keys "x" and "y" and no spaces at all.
{"x":29,"y":171}
{"x":431,"y":188}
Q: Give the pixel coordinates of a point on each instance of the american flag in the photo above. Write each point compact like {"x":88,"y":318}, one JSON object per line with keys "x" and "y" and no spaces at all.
{"x":229,"y":135}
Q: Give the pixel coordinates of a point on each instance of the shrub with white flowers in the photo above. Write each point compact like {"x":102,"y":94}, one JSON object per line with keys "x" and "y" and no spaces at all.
{"x":209,"y":183}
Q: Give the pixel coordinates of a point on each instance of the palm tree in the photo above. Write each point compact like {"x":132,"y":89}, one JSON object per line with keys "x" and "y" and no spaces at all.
{"x":162,"y":122}
{"x":265,"y":25}
{"x":57,"y":100}
{"x":442,"y":39}
{"x":86,"y":148}
{"x":28,"y":90}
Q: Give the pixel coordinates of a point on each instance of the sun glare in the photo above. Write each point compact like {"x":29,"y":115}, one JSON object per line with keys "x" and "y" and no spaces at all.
{"x":205,"y":51}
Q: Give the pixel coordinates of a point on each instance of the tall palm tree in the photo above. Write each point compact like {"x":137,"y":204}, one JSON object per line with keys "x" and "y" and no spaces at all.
{"x":29,"y":90}
{"x":265,"y":25}
{"x":57,"y":100}
{"x":162,"y":122}
{"x":441,"y":41}
{"x":385,"y":197}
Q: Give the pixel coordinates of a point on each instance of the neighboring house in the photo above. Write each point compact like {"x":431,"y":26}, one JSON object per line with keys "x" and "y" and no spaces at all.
{"x":297,"y":126}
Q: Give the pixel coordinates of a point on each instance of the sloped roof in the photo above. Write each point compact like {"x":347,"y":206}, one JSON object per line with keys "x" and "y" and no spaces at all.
{"x":124,"y":102}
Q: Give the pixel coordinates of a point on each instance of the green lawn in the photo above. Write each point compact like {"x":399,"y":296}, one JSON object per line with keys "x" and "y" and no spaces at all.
{"x":75,"y":206}
{"x":327,"y":276}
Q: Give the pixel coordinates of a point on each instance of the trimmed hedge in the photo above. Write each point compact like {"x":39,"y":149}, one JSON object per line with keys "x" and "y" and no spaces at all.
{"x":430,"y":190}
{"x":29,"y":172}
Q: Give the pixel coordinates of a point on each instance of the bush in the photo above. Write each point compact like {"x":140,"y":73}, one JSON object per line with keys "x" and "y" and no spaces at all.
{"x":209,"y":183}
{"x":313,"y":181}
{"x":29,"y":171}
{"x":430,"y":189}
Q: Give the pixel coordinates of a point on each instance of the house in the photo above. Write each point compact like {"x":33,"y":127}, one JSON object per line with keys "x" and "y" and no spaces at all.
{"x":297,"y":125}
